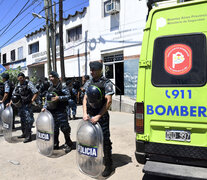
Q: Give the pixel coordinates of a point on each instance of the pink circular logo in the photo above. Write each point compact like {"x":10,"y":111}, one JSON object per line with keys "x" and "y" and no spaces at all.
{"x":178,"y":59}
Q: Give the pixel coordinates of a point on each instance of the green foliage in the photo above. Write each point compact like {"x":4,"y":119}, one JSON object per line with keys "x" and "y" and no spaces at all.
{"x":33,"y":78}
{"x":12,"y":74}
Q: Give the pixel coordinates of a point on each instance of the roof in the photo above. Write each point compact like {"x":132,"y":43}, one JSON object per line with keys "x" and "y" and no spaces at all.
{"x":64,"y":19}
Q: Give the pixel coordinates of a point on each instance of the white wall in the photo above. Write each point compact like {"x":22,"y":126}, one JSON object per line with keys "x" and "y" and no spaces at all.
{"x":106,"y":38}
{"x":14,"y":46}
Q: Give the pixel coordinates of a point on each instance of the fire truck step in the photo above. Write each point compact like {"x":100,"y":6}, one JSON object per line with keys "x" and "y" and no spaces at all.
{"x":175,"y":170}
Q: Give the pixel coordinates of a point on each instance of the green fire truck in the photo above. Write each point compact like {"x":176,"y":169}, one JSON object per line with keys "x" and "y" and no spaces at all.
{"x":171,"y":105}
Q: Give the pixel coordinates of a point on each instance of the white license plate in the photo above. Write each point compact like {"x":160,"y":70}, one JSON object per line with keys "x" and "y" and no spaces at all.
{"x":175,"y":135}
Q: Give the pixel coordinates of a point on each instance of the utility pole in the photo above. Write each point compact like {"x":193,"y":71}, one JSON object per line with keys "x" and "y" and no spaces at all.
{"x":49,"y":68}
{"x":54,"y":25}
{"x":86,"y":54}
{"x":62,"y":65}
{"x":52,"y":28}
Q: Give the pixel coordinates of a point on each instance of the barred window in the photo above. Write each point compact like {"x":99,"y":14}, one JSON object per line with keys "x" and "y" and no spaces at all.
{"x":13,"y":55}
{"x":74,"y":34}
{"x":33,"y":48}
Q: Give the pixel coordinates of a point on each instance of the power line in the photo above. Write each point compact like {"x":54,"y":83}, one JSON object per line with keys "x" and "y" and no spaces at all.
{"x":30,"y":22}
{"x":17,"y":32}
{"x":18,"y":37}
{"x":21,"y":11}
{"x":14,"y":18}
{"x":7,"y":13}
{"x":21,"y":19}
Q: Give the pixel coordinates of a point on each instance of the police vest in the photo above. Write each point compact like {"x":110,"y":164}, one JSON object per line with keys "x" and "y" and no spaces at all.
{"x":58,"y":90}
{"x":25,"y":93}
{"x":101,"y":85}
{"x":72,"y":95}
{"x":11,"y":85}
{"x":1,"y":90}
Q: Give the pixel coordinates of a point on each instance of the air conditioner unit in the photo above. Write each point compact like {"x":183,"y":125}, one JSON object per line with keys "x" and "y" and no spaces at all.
{"x":112,"y":7}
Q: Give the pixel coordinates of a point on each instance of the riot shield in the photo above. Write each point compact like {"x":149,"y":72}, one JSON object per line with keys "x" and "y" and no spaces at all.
{"x":45,"y":133}
{"x":1,"y":110}
{"x":89,"y":148}
{"x":7,"y":122}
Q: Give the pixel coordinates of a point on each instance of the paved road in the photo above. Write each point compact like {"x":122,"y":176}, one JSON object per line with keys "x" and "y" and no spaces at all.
{"x":22,"y":161}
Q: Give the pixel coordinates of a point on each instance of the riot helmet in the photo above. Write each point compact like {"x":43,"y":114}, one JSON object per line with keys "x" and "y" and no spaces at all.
{"x":51,"y":104}
{"x":16,"y":101}
{"x":95,"y":96}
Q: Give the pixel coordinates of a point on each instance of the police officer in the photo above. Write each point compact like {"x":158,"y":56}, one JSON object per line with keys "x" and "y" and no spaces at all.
{"x":82,"y":89}
{"x":8,"y":88}
{"x":7,"y":91}
{"x":27,"y":94}
{"x":56,"y":102}
{"x":72,"y":102}
{"x":96,"y":103}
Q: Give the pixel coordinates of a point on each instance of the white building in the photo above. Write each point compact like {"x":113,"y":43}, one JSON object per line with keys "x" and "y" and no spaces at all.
{"x":74,"y":47}
{"x":15,"y":54}
{"x":115,"y":37}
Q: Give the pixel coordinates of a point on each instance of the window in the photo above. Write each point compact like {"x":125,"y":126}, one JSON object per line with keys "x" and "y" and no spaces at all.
{"x":20,"y":53}
{"x":13,"y":55}
{"x":4,"y":58}
{"x":74,"y":34}
{"x":33,"y":48}
{"x":105,"y":3}
{"x":179,"y":60}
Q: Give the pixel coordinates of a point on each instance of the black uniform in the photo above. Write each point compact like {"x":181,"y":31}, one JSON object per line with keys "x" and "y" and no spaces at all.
{"x":25,"y":91}
{"x":8,"y":88}
{"x":59,"y":113}
{"x":106,"y":88}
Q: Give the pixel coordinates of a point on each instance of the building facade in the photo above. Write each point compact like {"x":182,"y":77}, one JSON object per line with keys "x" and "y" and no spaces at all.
{"x":14,"y":55}
{"x":75,"y":51}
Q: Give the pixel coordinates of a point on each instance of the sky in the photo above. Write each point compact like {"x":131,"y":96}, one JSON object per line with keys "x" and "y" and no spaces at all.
{"x":16,"y":17}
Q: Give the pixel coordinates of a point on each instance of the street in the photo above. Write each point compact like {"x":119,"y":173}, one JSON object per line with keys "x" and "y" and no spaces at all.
{"x":23,"y":161}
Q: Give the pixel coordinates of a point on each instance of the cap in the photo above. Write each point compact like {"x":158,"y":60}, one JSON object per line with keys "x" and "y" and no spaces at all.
{"x":5,"y":75}
{"x":54,"y":74}
{"x":21,"y":74}
{"x":95,"y":65}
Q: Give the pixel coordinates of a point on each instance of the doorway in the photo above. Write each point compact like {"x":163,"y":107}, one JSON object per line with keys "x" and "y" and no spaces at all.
{"x":119,"y":78}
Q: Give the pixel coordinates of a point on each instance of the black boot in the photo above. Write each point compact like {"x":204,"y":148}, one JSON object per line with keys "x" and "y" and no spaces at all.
{"x":56,"y":146}
{"x":68,"y":143}
{"x":28,"y":134}
{"x":108,"y":171}
{"x":28,"y":138}
{"x":73,"y":117}
{"x":13,"y":126}
{"x":56,"y":141}
{"x":23,"y":130}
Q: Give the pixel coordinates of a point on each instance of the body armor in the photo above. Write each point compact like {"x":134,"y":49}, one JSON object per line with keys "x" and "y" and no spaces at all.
{"x":100,"y":84}
{"x":24,"y":92}
{"x":58,"y":92}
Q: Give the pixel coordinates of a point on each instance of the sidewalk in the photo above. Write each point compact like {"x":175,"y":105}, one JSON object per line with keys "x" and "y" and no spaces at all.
{"x":23,"y":161}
